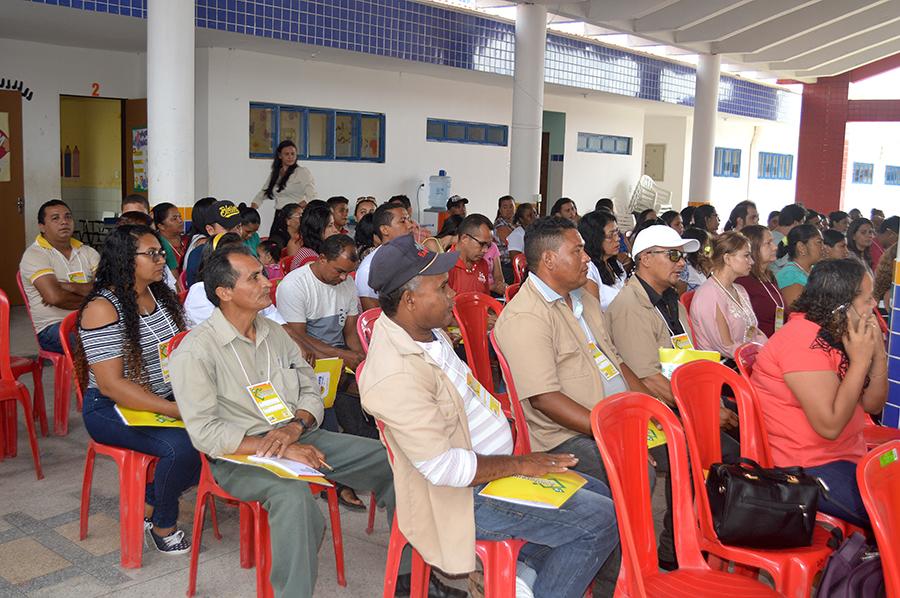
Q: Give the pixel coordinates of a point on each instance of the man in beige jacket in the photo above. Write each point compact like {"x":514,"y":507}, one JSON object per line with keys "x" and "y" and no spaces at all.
{"x":449,"y":438}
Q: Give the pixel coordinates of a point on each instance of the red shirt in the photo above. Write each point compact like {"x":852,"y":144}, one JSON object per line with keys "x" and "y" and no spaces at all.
{"x":463,"y":279}
{"x":796,"y":348}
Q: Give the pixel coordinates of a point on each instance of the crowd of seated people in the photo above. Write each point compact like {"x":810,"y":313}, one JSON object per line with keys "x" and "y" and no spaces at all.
{"x":589,"y":320}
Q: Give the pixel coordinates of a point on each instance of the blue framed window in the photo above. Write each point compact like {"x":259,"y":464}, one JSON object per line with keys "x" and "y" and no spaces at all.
{"x":862,"y":172}
{"x":320,"y":133}
{"x":455,"y":131}
{"x":892,"y":175}
{"x":604,"y":144}
{"x":775,"y":166}
{"x":727,"y":162}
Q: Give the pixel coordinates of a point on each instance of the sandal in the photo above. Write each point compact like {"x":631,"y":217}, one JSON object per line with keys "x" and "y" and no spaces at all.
{"x":347,"y":502}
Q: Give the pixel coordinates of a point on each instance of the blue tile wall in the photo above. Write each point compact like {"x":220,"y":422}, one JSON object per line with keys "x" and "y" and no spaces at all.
{"x":409,"y":30}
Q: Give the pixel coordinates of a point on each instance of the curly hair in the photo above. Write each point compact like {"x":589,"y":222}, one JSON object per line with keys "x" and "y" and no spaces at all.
{"x":276,"y":169}
{"x":115,"y":273}
{"x":831,"y":288}
{"x":591,"y":228}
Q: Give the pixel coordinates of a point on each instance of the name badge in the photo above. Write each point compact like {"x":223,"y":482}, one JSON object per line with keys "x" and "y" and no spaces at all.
{"x":266,"y":399}
{"x":682,"y":341}
{"x":163,"y":350}
{"x":605,"y":366}
{"x":750,"y":334}
{"x":77,"y":276}
{"x":779,"y":317}
{"x":484,"y":396}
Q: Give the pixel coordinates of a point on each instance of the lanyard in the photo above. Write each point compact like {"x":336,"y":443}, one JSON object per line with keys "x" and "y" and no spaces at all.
{"x":268,"y":363}
{"x":749,"y":316}
{"x":666,"y":322}
{"x":771,"y":296}
{"x":165,"y":317}
{"x":66,"y":262}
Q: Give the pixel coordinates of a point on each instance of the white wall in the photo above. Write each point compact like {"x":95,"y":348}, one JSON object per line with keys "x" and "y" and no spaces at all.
{"x":674,"y":133}
{"x":878,"y":144}
{"x":50,"y":71}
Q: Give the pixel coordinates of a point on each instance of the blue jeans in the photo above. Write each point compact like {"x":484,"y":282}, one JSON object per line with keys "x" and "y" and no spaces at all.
{"x":48,"y":338}
{"x":566,"y":546}
{"x":178,"y":467}
{"x":843,"y":499}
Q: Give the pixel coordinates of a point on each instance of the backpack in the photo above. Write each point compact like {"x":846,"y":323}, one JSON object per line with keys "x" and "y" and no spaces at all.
{"x":853,"y":571}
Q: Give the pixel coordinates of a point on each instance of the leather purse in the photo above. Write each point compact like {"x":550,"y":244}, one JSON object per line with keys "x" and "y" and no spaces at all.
{"x":758,"y":507}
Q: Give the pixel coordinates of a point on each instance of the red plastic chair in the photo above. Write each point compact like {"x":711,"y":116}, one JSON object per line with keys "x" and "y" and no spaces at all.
{"x":12,"y":391}
{"x":285,"y":262}
{"x":882,"y":323}
{"x":619,"y":424}
{"x":511,"y":291}
{"x":182,"y":295}
{"x":20,"y":367}
{"x":686,"y":299}
{"x":364,"y":324}
{"x":471,"y":312}
{"x":522,"y":441}
{"x":182,"y":278}
{"x":520,"y":264}
{"x":274,"y":290}
{"x":878,"y":477}
{"x":62,"y":375}
{"x":697,"y":387}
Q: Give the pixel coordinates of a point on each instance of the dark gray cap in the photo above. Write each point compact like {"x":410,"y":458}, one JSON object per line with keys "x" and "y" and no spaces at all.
{"x":401,"y":260}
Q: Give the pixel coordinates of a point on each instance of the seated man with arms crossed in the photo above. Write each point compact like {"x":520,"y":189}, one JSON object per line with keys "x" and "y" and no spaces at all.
{"x":213,"y":372}
{"x":448,"y":441}
{"x":57,"y":272}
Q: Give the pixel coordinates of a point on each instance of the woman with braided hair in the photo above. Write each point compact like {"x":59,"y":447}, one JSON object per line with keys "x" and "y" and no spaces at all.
{"x":121,"y":358}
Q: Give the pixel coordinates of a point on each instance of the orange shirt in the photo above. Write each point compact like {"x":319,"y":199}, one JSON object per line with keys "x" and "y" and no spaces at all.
{"x":463,"y":279}
{"x":796,"y":348}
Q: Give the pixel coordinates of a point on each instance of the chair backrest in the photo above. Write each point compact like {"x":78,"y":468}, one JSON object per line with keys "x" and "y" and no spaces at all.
{"x":182,"y":295}
{"x":471,"y":312}
{"x":66,"y":332}
{"x":364,"y":324}
{"x":745,"y":356}
{"x":686,"y":299}
{"x":620,"y":424}
{"x":511,"y":291}
{"x":878,"y":478}
{"x":520,"y":264}
{"x":176,"y":340}
{"x":6,"y":373}
{"x":511,"y":404}
{"x":25,"y":300}
{"x":286,"y":263}
{"x":882,"y":323}
{"x":697,"y":387}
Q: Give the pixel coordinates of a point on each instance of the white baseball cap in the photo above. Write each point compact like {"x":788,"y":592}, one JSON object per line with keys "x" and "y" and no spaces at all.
{"x":663,"y":236}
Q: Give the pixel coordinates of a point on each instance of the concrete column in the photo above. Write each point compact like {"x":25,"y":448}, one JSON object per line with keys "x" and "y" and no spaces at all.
{"x":891,"y":415}
{"x":170,"y":101}
{"x":703,"y":144}
{"x":528,"y":102}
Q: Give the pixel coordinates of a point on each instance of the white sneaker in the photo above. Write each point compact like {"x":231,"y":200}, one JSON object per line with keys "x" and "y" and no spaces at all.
{"x":523,"y":590}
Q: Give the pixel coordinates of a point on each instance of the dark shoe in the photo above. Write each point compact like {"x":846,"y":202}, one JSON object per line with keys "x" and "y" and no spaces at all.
{"x":668,"y":565}
{"x":436,"y":588}
{"x":174,"y":543}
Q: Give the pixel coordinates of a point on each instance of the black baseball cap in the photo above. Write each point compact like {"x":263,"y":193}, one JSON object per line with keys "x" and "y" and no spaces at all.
{"x":225,"y":214}
{"x":401,"y":260}
{"x":455,"y":200}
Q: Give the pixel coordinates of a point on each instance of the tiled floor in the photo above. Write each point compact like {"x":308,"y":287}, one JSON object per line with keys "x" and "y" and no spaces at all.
{"x":40,"y":554}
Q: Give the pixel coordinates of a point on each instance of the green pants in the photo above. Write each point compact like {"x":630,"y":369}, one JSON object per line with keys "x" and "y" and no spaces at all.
{"x":296,"y":523}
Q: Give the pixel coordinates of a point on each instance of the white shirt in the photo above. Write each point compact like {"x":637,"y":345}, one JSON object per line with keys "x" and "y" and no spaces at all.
{"x":324,"y":308}
{"x":607,"y":292}
{"x":515,"y":241}
{"x":362,"y":276}
{"x":197,"y":307}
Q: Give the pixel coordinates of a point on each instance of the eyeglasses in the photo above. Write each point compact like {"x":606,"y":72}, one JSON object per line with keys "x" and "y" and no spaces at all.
{"x":483,"y":244}
{"x":674,"y":255}
{"x":153,"y":254}
{"x":611,"y":235}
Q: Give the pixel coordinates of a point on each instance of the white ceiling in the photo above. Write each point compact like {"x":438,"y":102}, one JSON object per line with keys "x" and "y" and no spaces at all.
{"x":760,"y":39}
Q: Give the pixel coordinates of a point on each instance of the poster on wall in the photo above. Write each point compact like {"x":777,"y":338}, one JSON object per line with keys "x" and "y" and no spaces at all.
{"x":5,"y":160}
{"x":139,"y":157}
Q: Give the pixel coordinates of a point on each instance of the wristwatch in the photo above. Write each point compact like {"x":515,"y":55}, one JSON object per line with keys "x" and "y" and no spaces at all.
{"x":303,"y":426}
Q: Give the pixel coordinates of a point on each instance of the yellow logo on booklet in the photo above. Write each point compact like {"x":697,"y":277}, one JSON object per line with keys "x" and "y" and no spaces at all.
{"x":266,"y":399}
{"x":549,"y":491}
{"x":655,"y":435}
{"x":328,"y":374}
{"x":133,"y":417}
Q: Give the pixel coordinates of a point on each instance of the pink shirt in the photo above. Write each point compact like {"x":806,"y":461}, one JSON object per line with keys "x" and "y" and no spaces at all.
{"x":796,"y":348}
{"x":738,"y":311}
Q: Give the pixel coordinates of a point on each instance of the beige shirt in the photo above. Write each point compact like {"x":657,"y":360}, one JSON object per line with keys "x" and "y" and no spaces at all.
{"x":423,"y":416}
{"x":211,"y":387}
{"x":300,"y":186}
{"x":547,"y":351}
{"x":41,"y":259}
{"x":638,"y":329}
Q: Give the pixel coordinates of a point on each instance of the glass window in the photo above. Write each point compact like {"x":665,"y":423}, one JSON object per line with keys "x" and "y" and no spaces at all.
{"x":456,"y":131}
{"x":434,"y":129}
{"x":370,"y":142}
{"x":291,"y":126}
{"x":344,"y":146}
{"x":262,"y":131}
{"x":318,"y":135}
{"x":496,"y":135}
{"x":476,"y":133}
{"x":465,"y":132}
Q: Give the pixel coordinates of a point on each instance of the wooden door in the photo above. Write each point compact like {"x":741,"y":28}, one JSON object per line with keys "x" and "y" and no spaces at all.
{"x":12,"y":193}
{"x":134,"y":116}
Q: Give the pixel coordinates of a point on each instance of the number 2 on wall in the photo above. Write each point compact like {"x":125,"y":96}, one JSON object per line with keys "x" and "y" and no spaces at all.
{"x":95,"y":89}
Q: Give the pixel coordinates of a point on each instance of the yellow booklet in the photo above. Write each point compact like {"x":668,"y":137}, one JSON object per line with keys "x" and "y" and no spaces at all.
{"x":328,"y":374}
{"x":669,"y":359}
{"x":549,"y":491}
{"x":283,"y":468}
{"x":132,"y":417}
{"x":655,"y":435}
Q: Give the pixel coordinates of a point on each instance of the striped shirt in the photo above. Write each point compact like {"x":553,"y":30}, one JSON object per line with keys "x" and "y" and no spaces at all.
{"x":106,"y":342}
{"x":490,"y":434}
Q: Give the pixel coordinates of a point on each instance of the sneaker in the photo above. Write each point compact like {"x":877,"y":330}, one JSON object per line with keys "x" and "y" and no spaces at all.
{"x":174,"y":543}
{"x":148,"y":524}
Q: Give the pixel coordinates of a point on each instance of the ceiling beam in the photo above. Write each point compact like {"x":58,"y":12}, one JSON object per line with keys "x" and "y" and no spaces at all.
{"x":795,"y":24}
{"x":875,"y":68}
{"x":882,"y":14}
{"x":682,"y":14}
{"x":851,"y":62}
{"x":839,"y":50}
{"x":741,"y":18}
{"x":621,"y":10}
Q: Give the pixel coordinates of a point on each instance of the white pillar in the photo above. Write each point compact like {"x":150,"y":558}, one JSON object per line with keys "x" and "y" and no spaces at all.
{"x":170,"y":101}
{"x":528,"y":102}
{"x":703,"y":144}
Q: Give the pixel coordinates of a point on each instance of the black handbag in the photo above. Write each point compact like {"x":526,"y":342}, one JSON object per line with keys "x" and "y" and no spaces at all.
{"x":762,"y":508}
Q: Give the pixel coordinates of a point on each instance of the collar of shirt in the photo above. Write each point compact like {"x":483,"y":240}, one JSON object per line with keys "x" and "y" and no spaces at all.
{"x":43,"y":242}
{"x":666,"y":303}
{"x":550,"y":295}
{"x":226,"y":332}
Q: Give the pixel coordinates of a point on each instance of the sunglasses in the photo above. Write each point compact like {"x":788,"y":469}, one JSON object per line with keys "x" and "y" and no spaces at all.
{"x":674,"y":255}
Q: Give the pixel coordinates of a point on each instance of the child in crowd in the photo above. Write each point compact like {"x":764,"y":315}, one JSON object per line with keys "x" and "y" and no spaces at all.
{"x":268,"y":252}
{"x":249,"y":225}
